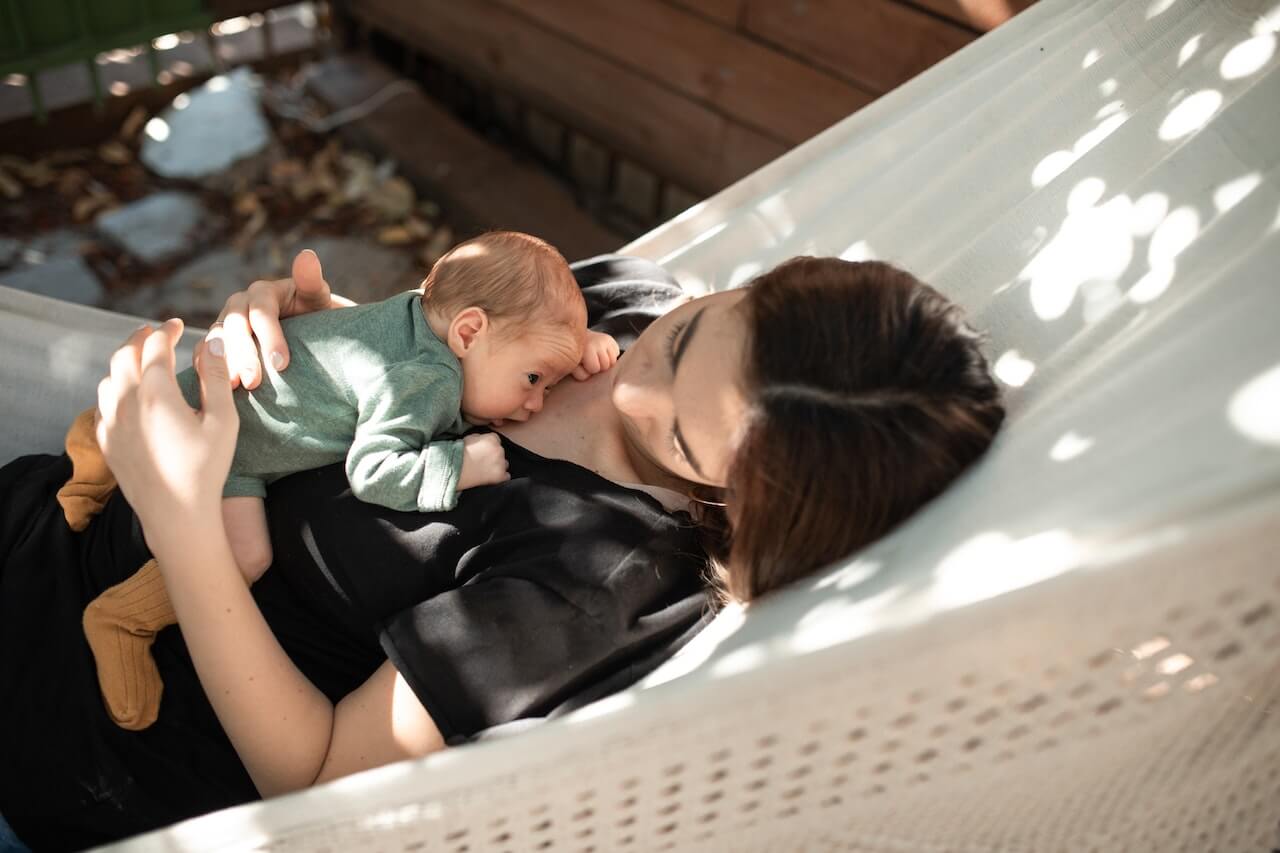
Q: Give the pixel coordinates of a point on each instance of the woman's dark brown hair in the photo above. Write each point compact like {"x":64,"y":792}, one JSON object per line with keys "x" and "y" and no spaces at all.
{"x":868,"y":395}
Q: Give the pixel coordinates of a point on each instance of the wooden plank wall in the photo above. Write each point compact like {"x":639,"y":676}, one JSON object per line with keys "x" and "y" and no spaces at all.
{"x":697,"y":92}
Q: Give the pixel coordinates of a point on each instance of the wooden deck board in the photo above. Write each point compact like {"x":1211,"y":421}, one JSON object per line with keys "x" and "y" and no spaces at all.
{"x":730,"y":73}
{"x":643,"y":120}
{"x":877,"y":44}
{"x":480,"y":184}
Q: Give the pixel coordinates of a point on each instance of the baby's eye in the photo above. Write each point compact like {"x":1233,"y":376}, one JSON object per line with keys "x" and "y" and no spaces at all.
{"x":534,"y":378}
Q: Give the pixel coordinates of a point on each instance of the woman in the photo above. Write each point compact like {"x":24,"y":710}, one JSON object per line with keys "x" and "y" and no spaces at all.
{"x":821,"y":406}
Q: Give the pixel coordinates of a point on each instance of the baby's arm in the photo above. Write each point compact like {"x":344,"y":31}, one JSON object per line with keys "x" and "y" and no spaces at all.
{"x":600,"y":353}
{"x":395,"y":459}
{"x":246,"y":521}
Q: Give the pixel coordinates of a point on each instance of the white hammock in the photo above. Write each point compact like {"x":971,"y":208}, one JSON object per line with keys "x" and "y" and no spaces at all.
{"x":1076,"y":648}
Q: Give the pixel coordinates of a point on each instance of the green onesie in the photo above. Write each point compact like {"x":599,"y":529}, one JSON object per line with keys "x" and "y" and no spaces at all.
{"x":372,"y":385}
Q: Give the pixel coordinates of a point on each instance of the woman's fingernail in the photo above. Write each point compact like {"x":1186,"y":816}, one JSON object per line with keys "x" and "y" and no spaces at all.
{"x":245,"y":377}
{"x":277,"y":360}
{"x":215,"y":347}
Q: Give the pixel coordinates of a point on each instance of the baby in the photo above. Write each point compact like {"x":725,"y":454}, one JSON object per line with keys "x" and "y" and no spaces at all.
{"x":388,"y":387}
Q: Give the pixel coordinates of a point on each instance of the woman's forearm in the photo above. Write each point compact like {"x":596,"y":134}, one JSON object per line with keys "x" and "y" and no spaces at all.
{"x":278,"y":722}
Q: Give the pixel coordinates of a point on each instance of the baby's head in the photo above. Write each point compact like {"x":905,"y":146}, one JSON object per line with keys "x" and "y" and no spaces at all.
{"x":509,"y":309}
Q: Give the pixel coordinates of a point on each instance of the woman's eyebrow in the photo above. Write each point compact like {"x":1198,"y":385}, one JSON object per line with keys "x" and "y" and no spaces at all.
{"x":675,"y":365}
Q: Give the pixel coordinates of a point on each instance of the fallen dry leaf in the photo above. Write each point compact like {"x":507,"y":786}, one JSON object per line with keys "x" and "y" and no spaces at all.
{"x":72,"y":181}
{"x":417,"y":227}
{"x":392,"y":199}
{"x":395,"y":235}
{"x":133,"y":123}
{"x":115,"y":153}
{"x":246,"y":203}
{"x":87,"y":206}
{"x":9,"y":185}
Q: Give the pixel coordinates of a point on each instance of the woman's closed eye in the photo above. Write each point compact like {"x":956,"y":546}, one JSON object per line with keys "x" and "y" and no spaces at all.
{"x":676,"y":329}
{"x":673,"y":435}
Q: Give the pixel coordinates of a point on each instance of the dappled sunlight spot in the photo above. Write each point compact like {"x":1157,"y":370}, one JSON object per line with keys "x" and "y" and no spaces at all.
{"x":992,"y":564}
{"x":848,"y":575}
{"x":1091,"y":57}
{"x":1173,"y":235}
{"x":743,"y":273}
{"x":859,"y":251}
{"x":775,"y":212}
{"x":1070,"y":446}
{"x":1050,"y":167}
{"x":1057,"y":162}
{"x":604,"y":707}
{"x":231,"y":26}
{"x":697,"y":652}
{"x":1191,"y":114}
{"x":1150,"y":648}
{"x":166,"y":42}
{"x":1013,"y":370}
{"x":1108,"y":87}
{"x":738,"y":661}
{"x":1248,"y":57}
{"x":1233,"y":192}
{"x":1086,"y":194}
{"x":840,"y":619}
{"x":1189,"y":49}
{"x":1174,"y":664}
{"x":157,"y":129}
{"x":1153,"y":284}
{"x":688,"y":213}
{"x":1092,"y":244}
{"x":1147,"y":214}
{"x":1099,"y":133}
{"x":1158,"y":7}
{"x":118,"y":88}
{"x":1100,"y":298}
{"x":1109,"y":108}
{"x":404,"y":815}
{"x":181,"y":102}
{"x":695,"y":241}
{"x":218,"y":84}
{"x":1254,"y":408}
{"x":1200,"y":682}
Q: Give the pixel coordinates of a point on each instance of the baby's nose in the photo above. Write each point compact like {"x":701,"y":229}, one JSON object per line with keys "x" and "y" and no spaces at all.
{"x":534,"y":403}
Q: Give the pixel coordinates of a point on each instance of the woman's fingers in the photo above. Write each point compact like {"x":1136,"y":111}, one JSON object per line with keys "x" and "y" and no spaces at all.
{"x":216,"y":401}
{"x":124,"y":364}
{"x":265,"y":302}
{"x":310,"y":290}
{"x":241,"y":354}
{"x":157,"y":358}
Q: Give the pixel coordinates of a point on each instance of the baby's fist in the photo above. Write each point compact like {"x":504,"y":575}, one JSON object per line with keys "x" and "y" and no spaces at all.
{"x":600,"y":354}
{"x":484,"y":462}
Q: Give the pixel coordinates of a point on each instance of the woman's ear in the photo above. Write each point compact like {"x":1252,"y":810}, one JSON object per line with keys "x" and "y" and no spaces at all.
{"x":466,"y":328}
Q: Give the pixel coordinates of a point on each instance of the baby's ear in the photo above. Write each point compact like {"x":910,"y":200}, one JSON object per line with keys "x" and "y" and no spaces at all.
{"x":466,"y":328}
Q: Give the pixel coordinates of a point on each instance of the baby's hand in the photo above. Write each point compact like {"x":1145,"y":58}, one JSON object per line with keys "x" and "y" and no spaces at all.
{"x":600,"y":354}
{"x":483,"y":461}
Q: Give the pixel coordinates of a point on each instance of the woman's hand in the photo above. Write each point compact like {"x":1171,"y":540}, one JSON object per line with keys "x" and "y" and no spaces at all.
{"x":170,"y":461}
{"x":257,"y":311}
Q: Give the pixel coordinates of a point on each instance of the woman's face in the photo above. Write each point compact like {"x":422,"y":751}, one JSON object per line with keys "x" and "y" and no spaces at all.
{"x":679,"y":391}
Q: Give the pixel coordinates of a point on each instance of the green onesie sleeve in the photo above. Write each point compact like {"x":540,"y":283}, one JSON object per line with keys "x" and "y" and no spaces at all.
{"x":398,"y":458}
